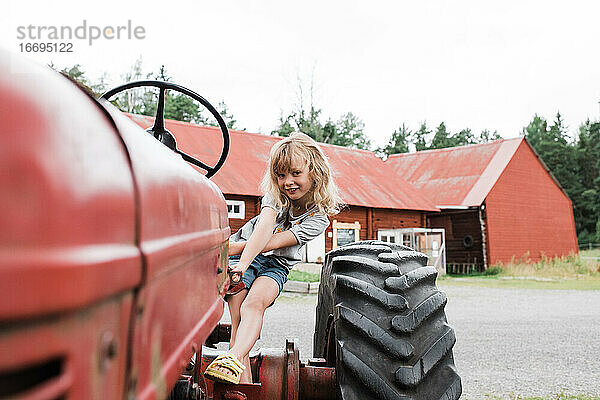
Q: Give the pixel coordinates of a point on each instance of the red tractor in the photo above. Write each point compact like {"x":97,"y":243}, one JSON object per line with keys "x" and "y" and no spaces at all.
{"x":113,"y":270}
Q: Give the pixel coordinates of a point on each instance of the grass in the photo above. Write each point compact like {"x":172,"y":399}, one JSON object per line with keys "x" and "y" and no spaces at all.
{"x":573,"y":272}
{"x":590,"y":253}
{"x":569,"y":266}
{"x":303,"y":276}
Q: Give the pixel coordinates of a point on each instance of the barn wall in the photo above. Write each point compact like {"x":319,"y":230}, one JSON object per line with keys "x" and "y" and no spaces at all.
{"x":373,"y":219}
{"x":252,"y":209}
{"x":527,"y":213}
{"x":395,"y":219}
{"x":459,"y":224}
{"x":349,"y":215}
{"x":370,"y":219}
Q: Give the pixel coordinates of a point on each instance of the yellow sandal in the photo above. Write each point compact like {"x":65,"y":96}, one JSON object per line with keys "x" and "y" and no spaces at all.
{"x":228,"y":362}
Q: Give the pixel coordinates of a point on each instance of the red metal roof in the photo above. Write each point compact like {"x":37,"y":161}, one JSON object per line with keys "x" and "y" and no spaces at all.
{"x":363,"y":178}
{"x":456,"y":176}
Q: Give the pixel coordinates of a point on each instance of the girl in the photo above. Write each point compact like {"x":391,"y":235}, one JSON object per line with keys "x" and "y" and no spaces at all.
{"x":299,"y":195}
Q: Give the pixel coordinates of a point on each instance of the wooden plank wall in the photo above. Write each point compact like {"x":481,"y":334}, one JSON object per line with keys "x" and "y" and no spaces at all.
{"x":349,"y":214}
{"x":459,"y":224}
{"x":373,"y":219}
{"x":528,"y":215}
{"x":396,"y":219}
{"x":370,"y":219}
{"x":252,"y":209}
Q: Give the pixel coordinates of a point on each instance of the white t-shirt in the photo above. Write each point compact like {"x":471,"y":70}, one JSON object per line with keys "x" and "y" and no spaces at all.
{"x":305,"y":227}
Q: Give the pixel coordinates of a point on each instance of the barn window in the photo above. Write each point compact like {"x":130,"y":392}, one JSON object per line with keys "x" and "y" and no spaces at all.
{"x":345,"y":233}
{"x":236,"y":209}
{"x":389,"y":236}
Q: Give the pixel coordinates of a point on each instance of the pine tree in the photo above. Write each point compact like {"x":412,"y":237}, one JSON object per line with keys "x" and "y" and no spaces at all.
{"x":463,"y":138}
{"x":441,"y":138}
{"x":586,"y":199}
{"x":77,"y":75}
{"x":347,"y":131}
{"x":560,"y":155}
{"x":485,"y":136}
{"x":398,"y":143}
{"x":419,"y":137}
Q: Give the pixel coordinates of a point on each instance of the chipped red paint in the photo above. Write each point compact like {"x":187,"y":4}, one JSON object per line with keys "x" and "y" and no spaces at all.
{"x":317,"y":383}
{"x":68,"y":257}
{"x":183,"y":228}
{"x":68,"y":216}
{"x":278,"y":375}
{"x":110,"y":247}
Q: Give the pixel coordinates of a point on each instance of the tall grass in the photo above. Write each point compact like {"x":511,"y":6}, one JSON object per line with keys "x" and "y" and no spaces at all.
{"x":579,"y":265}
{"x":590,"y":253}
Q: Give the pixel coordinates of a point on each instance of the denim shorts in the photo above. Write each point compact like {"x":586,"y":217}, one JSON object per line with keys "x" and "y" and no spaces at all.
{"x":262,"y":266}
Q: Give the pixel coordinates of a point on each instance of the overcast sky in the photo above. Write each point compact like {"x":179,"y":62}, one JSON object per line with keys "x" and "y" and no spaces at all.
{"x":477,"y":64}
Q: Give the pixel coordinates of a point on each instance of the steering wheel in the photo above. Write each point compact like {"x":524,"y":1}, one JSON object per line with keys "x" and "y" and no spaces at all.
{"x":166,"y":137}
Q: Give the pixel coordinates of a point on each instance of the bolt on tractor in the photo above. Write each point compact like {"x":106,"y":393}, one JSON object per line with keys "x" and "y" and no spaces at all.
{"x":113,"y":270}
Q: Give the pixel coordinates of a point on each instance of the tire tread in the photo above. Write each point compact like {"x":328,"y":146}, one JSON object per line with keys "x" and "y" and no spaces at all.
{"x":369,"y":377}
{"x":370,"y":291}
{"x":389,"y":334}
{"x":398,"y":348}
{"x":410,"y":279}
{"x":411,"y":321}
{"x":412,"y":375}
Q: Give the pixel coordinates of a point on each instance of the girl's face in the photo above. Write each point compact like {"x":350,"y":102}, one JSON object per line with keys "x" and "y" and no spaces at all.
{"x":296,"y":183}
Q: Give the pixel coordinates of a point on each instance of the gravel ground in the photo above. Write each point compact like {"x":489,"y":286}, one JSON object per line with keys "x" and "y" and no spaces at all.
{"x":526,"y":342}
{"x":509,"y":341}
{"x":292,"y":317}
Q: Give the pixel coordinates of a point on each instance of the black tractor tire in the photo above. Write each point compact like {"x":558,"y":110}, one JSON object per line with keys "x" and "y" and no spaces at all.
{"x":380,"y":321}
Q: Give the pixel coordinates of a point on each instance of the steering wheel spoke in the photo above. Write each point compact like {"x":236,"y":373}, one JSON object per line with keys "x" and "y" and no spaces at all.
{"x":159,"y":118}
{"x":192,"y":160}
{"x":163,"y":135}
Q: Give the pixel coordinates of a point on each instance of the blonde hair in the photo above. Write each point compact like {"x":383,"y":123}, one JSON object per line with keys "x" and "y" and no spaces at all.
{"x":299,"y":149}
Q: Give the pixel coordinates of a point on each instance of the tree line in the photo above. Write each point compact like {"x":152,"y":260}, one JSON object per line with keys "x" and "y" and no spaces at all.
{"x":348,"y":130}
{"x":144,"y":101}
{"x":574,"y":162}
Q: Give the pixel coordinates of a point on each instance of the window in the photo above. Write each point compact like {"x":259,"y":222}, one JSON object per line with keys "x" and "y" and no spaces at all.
{"x":236,"y":209}
{"x":345,"y":233}
{"x":406,"y":240}
{"x":388,"y":239}
{"x":389,"y":236}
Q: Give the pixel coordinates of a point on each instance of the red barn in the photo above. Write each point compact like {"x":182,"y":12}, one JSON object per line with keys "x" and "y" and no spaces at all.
{"x":499,"y":201}
{"x":374,"y":201}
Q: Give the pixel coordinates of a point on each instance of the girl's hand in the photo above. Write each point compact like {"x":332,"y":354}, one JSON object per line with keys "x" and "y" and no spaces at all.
{"x":235,"y":248}
{"x":236,"y":271}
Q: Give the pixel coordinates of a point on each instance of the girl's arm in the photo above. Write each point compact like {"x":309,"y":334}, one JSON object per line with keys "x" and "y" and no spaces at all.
{"x":263,"y":232}
{"x":277,"y":241}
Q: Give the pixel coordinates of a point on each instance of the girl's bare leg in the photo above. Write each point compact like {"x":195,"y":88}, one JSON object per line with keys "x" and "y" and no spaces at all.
{"x":234,"y":304}
{"x":263,"y":292}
